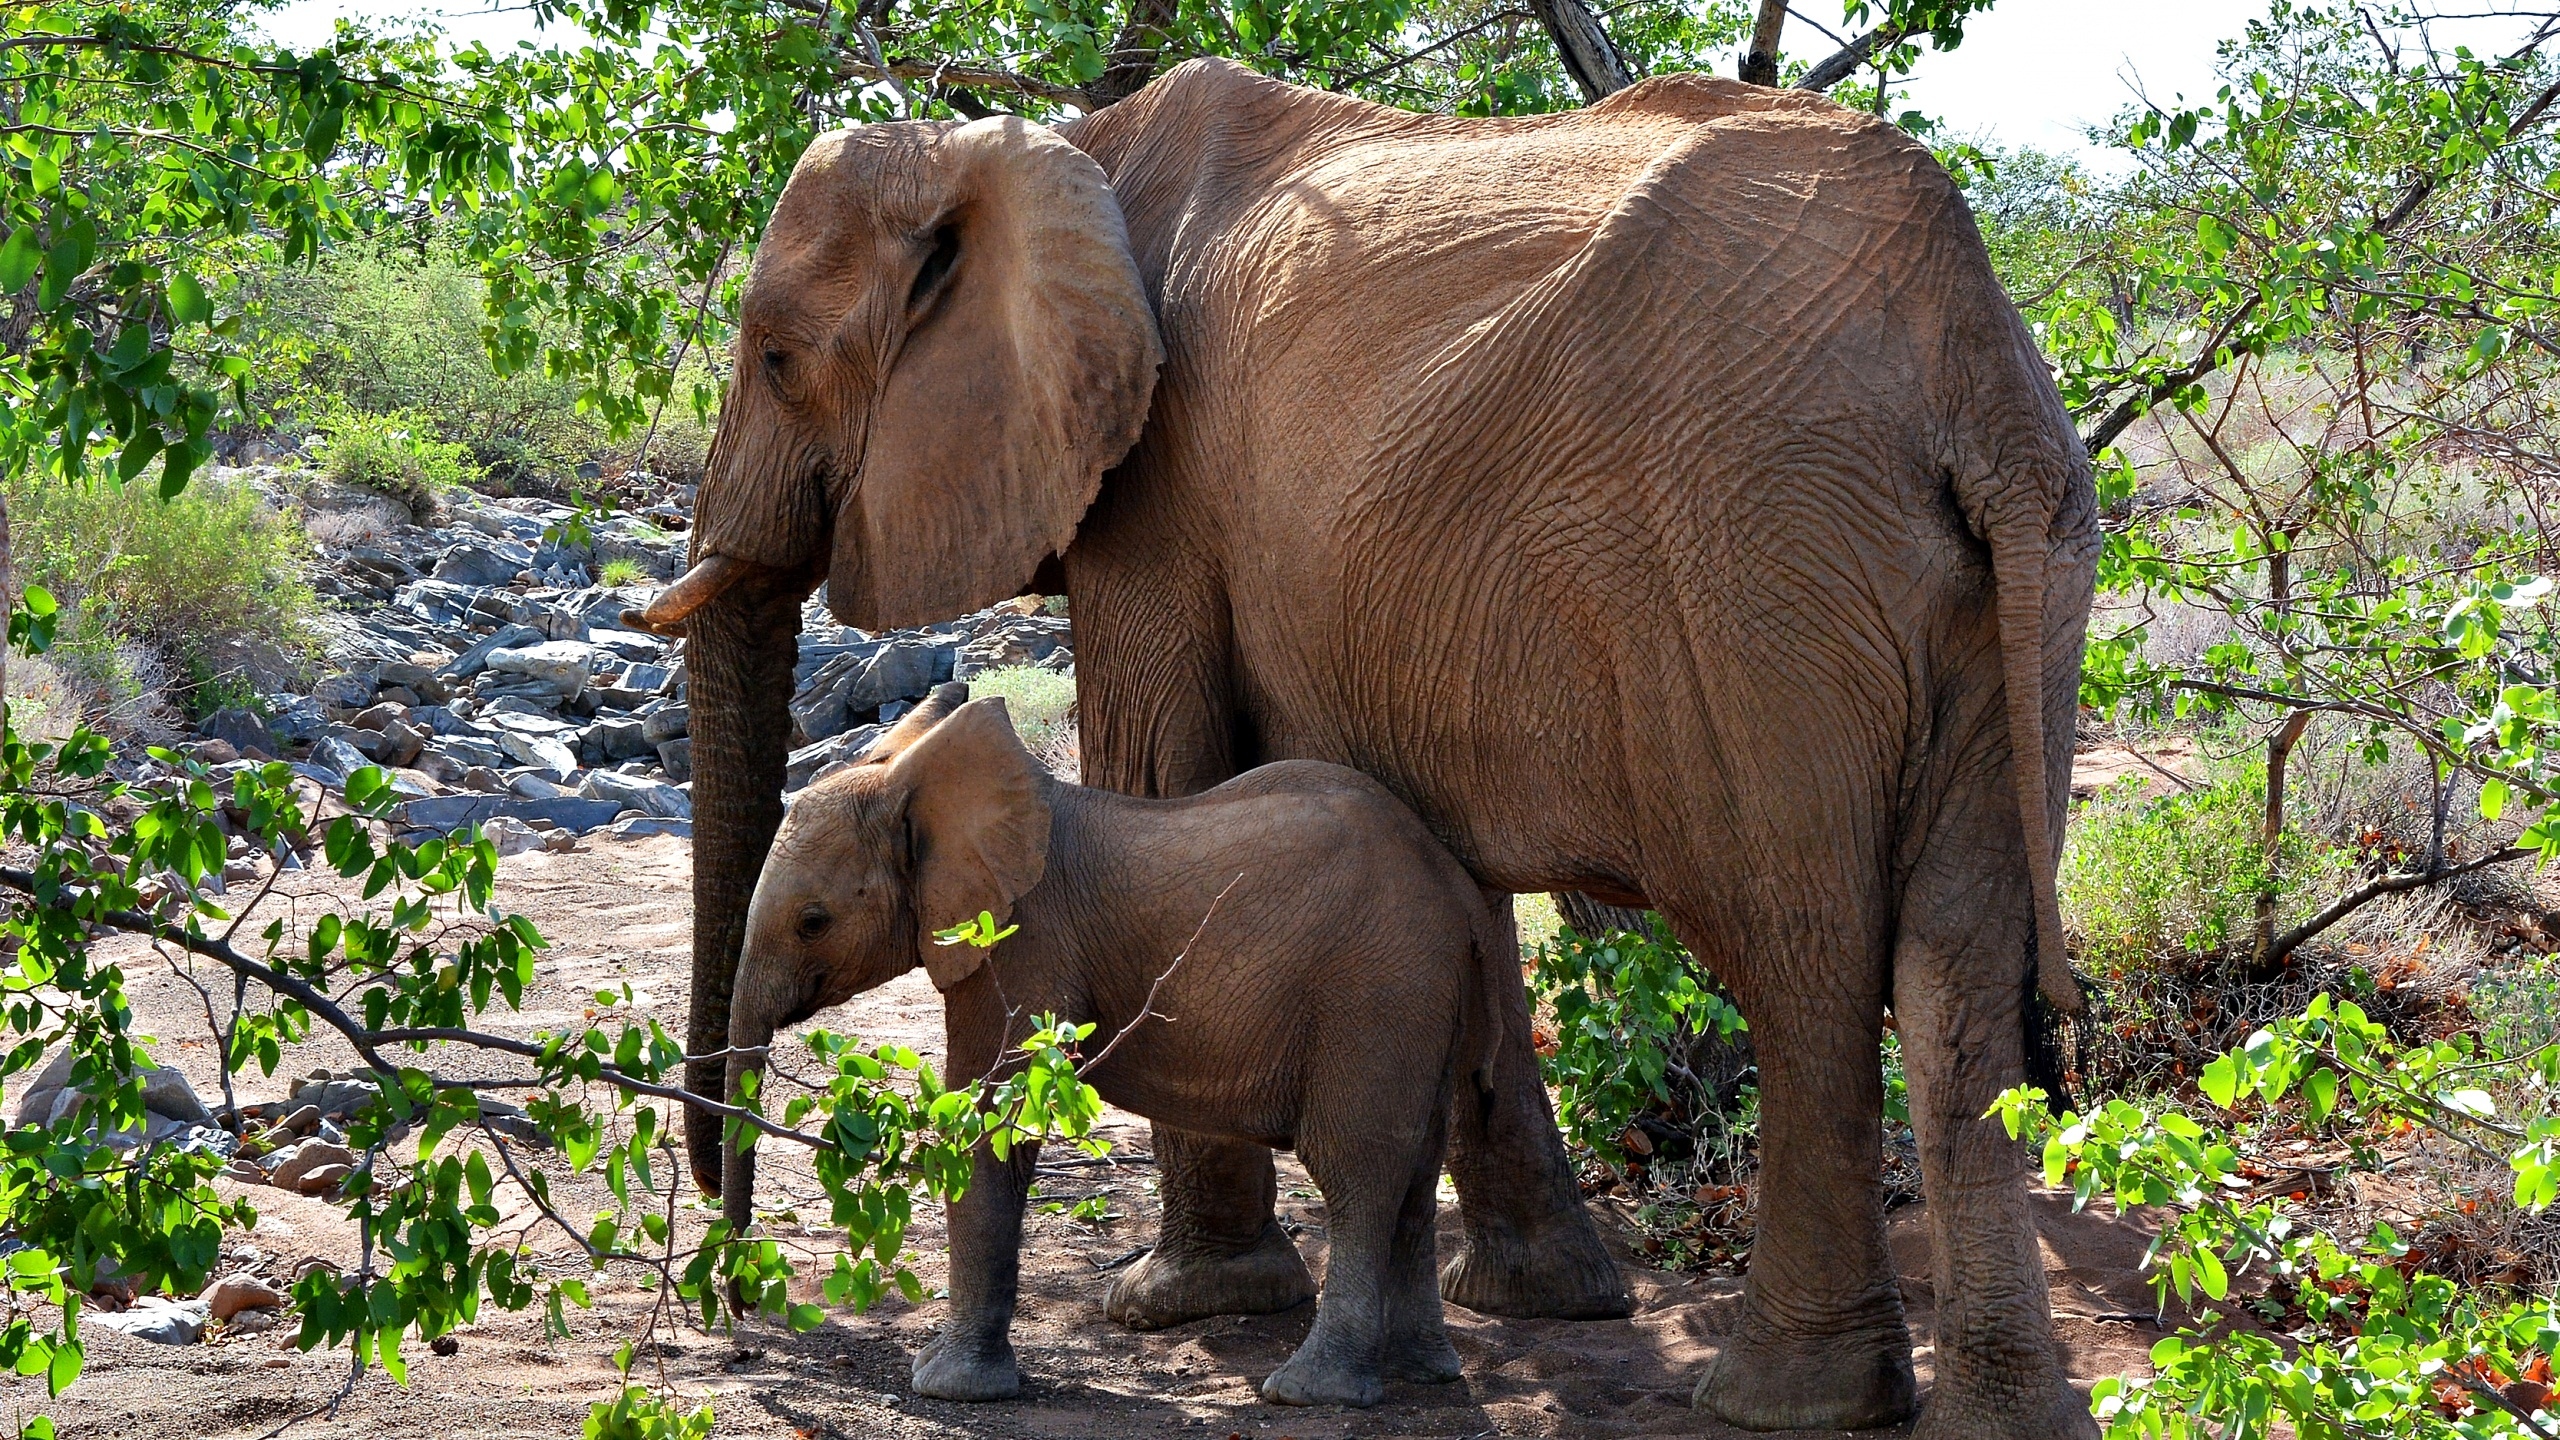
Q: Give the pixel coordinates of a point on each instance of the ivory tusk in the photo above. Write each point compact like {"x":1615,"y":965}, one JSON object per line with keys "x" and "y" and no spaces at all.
{"x":696,"y":588}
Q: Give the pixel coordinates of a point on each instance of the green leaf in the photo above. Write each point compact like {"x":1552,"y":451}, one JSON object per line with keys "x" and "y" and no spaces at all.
{"x":2319,"y":1095}
{"x":188,"y":304}
{"x":2220,"y":1081}
{"x":18,"y":257}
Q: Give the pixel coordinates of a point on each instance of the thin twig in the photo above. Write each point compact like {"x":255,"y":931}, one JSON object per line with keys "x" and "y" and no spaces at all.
{"x":1147,"y":1009}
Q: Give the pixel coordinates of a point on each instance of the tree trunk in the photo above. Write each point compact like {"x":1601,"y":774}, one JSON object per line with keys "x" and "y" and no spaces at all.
{"x":1760,"y":62}
{"x":1136,"y":55}
{"x":1593,"y":920}
{"x":8,"y":607}
{"x":1584,"y":46}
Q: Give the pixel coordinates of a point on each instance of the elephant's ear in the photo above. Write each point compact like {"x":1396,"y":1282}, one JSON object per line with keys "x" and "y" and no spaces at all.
{"x":1019,"y":383}
{"x":980,"y":825}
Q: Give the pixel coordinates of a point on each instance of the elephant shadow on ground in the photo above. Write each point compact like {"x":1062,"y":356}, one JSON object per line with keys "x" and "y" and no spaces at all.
{"x":1084,"y":1376}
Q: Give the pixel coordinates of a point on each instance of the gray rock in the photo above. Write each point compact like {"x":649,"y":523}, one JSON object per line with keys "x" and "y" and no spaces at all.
{"x":295,"y":717}
{"x":651,"y":679}
{"x":157,"y":1319}
{"x":483,"y":562}
{"x":333,"y":754}
{"x":468,"y":751}
{"x":630,"y":645}
{"x":534,"y":692}
{"x":564,"y":665}
{"x":542,"y":752}
{"x":535,"y":787}
{"x":648,"y":796}
{"x":646,"y":825}
{"x":306,"y":1166}
{"x":671,"y":722}
{"x":241,"y":729}
{"x":677,"y":758}
{"x":334,"y":1098}
{"x":418,"y":680}
{"x":344,"y":692}
{"x":374,"y":717}
{"x":476,"y":659}
{"x":400,"y":744}
{"x":621,"y":739}
{"x":367,"y":743}
{"x":804,"y":764}
{"x":447,"y":813}
{"x":511,"y":836}
{"x":1009,"y":641}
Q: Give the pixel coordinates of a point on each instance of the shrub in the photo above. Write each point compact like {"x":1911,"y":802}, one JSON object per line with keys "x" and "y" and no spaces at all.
{"x":392,"y":455}
{"x":2173,"y":880}
{"x":621,"y":570}
{"x":395,"y":330}
{"x":1042,"y":702}
{"x":182,"y":578}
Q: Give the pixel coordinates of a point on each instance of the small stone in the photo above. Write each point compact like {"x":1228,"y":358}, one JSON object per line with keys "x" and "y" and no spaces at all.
{"x":646,"y":796}
{"x":375,"y":717}
{"x":305,"y":1120}
{"x":211,"y":752}
{"x":671,"y":722}
{"x":245,"y":1172}
{"x":337,"y":756}
{"x":564,"y":665}
{"x":444,"y":1345}
{"x":641,"y":826}
{"x":232,"y":1294}
{"x":157,"y":1319}
{"x":344,"y":692}
{"x":400,"y":744}
{"x":677,"y":757}
{"x":293,"y":1169}
{"x":255,"y":1322}
{"x":243,"y":729}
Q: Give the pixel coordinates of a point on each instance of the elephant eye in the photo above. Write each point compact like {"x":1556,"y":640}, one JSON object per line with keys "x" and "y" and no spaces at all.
{"x":814,"y":922}
{"x":936,"y":267}
{"x":776,"y":358}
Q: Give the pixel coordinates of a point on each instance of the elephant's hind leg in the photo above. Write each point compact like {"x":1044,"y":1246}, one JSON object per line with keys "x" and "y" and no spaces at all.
{"x":1960,"y":977}
{"x":1218,"y":1250}
{"x":1821,"y":1344}
{"x":1527,"y":1247}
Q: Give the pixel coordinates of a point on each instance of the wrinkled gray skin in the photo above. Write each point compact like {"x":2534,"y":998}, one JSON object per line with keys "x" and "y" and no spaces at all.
{"x":1663,"y":499}
{"x":1337,"y":974}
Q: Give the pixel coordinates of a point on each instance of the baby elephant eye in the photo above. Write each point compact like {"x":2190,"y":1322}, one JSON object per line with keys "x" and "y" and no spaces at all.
{"x":814,"y":922}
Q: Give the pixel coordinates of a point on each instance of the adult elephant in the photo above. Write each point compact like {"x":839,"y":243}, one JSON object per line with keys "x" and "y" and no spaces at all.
{"x":1663,"y":497}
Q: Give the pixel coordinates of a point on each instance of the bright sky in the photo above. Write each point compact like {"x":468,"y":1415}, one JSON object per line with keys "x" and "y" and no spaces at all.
{"x":2031,"y":72}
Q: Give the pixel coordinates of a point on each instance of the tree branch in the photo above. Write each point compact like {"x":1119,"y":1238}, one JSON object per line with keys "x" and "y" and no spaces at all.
{"x":1842,"y":63}
{"x":2345,"y":905}
{"x":1584,"y":47}
{"x":1760,"y":61}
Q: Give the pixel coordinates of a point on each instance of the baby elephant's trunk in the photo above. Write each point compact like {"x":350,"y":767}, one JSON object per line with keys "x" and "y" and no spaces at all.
{"x":738,"y":1172}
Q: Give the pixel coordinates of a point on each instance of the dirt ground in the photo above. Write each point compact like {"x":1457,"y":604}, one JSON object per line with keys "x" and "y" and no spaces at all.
{"x":618,"y":912}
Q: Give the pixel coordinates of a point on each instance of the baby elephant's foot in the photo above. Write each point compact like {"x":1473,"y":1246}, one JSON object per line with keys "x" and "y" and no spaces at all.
{"x":968,"y":1369}
{"x":1312,"y":1379}
{"x":1423,"y":1359}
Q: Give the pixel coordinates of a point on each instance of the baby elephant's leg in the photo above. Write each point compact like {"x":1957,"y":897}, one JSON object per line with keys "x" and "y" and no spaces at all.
{"x":1338,"y":1364}
{"x":972,"y":1359}
{"x":1417,"y":1343}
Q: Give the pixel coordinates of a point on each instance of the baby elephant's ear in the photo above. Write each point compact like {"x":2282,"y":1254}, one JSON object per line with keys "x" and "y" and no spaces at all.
{"x":980,"y":824}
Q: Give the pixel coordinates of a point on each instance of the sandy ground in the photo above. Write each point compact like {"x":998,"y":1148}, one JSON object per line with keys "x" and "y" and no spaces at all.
{"x":618,"y":912}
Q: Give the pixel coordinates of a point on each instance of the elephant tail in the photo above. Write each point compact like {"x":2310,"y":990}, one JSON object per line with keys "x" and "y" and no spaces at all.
{"x":2020,"y":557}
{"x":1495,"y":964}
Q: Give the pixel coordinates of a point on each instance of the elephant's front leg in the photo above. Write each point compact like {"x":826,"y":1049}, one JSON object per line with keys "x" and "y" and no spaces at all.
{"x":972,"y":1359}
{"x":1218,"y":1250}
{"x":1821,"y":1343}
{"x":1528,"y":1246}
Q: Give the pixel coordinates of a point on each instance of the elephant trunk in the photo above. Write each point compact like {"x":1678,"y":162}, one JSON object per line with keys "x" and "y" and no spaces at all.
{"x":739,"y":653}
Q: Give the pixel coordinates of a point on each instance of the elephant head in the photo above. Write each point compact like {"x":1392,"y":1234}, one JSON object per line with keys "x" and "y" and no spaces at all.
{"x":947,"y":818}
{"x":942,"y":345}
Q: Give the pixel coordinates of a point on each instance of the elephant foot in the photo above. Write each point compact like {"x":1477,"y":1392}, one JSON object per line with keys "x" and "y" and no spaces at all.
{"x":1843,"y":1382}
{"x":1563,"y":1273}
{"x":1310,"y":1379}
{"x":1174,"y":1287}
{"x":1423,"y":1360}
{"x":967,"y":1370}
{"x":1972,"y":1414}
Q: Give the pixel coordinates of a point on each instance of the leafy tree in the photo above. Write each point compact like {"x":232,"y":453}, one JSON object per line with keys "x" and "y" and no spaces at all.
{"x":2330,"y":288}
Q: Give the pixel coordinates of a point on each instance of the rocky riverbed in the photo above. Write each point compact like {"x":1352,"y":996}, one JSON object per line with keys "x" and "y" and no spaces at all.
{"x":478,"y":661}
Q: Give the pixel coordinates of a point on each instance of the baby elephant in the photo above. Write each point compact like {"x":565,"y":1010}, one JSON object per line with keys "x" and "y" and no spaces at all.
{"x":1347,"y":980}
